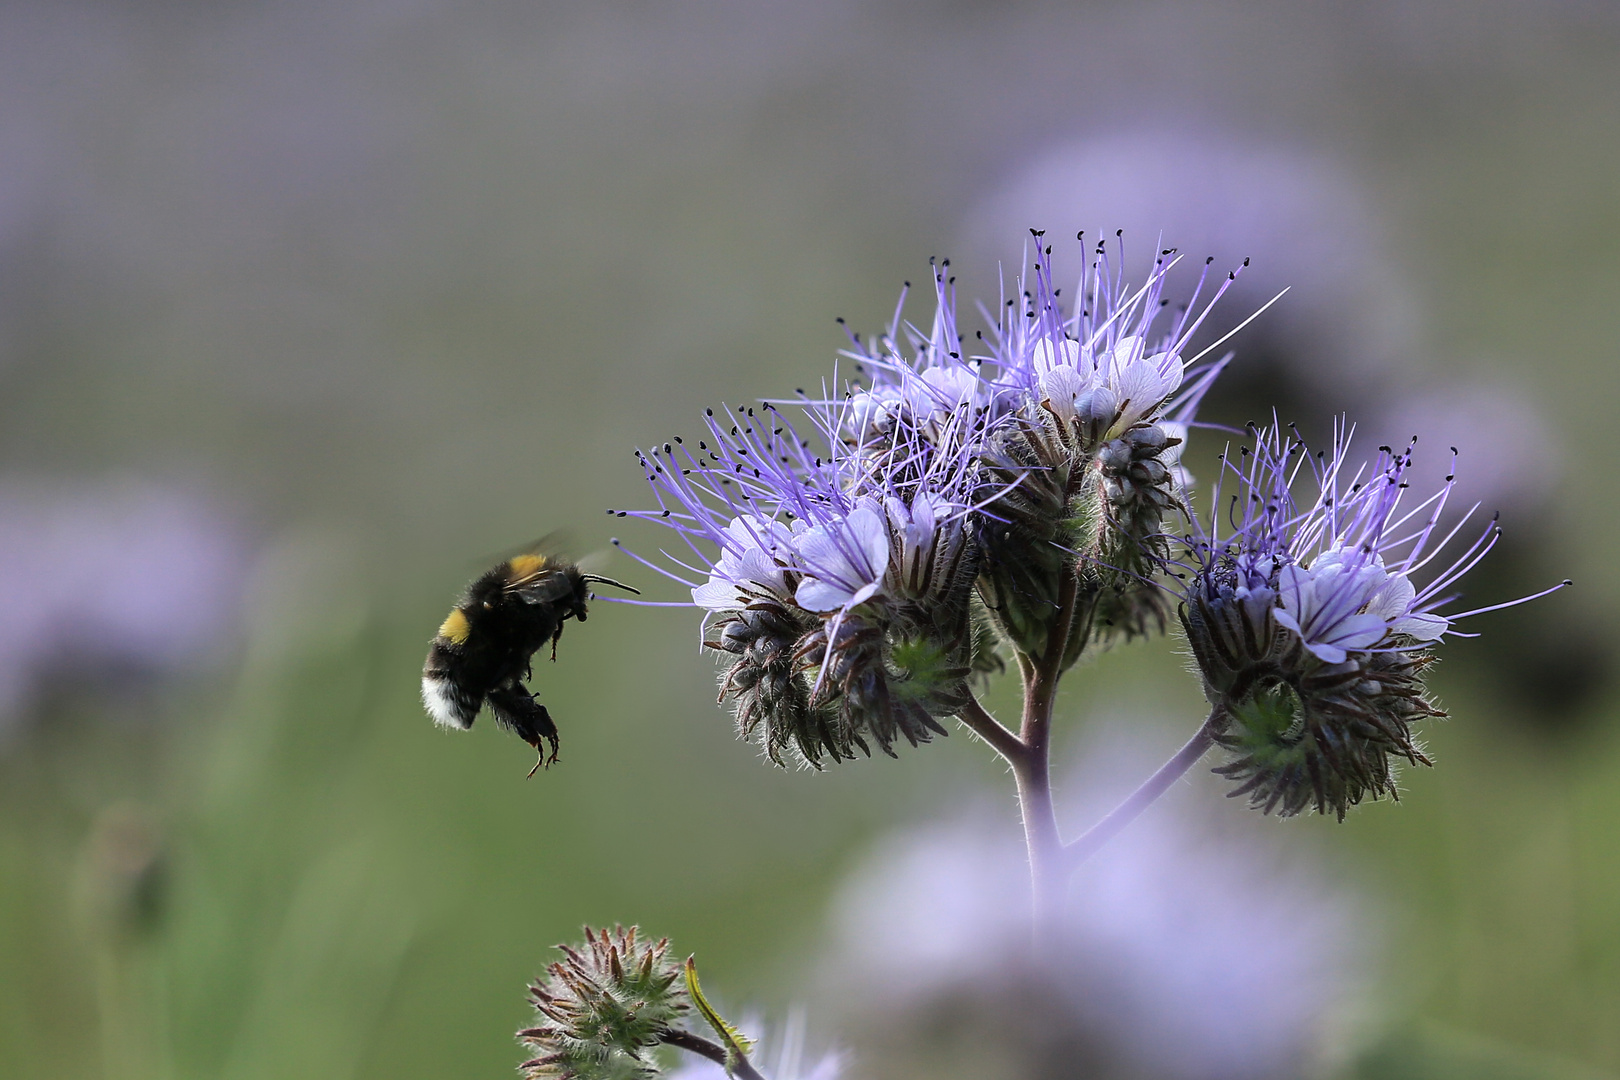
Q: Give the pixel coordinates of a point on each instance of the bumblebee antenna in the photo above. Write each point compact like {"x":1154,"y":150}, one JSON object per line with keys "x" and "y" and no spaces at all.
{"x":609,"y":581}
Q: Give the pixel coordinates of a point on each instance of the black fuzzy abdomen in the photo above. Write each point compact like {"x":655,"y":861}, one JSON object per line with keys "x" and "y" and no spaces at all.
{"x":502,"y":642}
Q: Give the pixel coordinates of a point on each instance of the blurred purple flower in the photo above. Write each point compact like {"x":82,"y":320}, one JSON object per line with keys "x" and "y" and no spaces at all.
{"x":778,"y":1054}
{"x":1349,"y":334}
{"x":1298,"y":214}
{"x":99,"y":579}
{"x":1518,"y":476}
{"x":1183,"y":952}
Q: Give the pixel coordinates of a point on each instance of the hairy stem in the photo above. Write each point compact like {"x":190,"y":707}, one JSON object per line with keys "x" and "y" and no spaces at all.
{"x":1034,"y":770}
{"x":1077,"y":851}
{"x":977,"y":720}
{"x":716,"y":1053}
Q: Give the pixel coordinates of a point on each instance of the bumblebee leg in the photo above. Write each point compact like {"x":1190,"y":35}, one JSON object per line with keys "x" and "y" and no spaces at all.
{"x":556,"y":636}
{"x":516,"y":708}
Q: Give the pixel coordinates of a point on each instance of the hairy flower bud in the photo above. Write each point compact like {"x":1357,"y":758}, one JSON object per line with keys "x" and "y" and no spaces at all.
{"x":1029,"y":530}
{"x":865,"y":694}
{"x":603,"y":1008}
{"x":768,"y":687}
{"x":1140,"y":484}
{"x":1317,"y":736}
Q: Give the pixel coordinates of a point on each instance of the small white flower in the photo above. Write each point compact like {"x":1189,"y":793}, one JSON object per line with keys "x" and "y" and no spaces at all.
{"x":747,"y":565}
{"x":1123,"y":385}
{"x":843,"y":561}
{"x":1345,"y":601}
{"x":872,"y":412}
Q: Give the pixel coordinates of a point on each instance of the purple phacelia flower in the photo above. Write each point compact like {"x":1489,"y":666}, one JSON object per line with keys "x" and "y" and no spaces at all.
{"x":1103,"y":388}
{"x":837,"y":554}
{"x":834,"y":566}
{"x":844,"y":561}
{"x":748,"y":567}
{"x":1308,"y":627}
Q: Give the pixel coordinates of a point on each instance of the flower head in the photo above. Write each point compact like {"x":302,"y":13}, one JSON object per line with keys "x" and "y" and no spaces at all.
{"x":1103,"y":388}
{"x":835,"y":564}
{"x":1313,"y":619}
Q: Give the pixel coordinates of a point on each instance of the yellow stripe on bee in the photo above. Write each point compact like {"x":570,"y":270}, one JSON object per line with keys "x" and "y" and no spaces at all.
{"x":455,"y":627}
{"x":525,"y":566}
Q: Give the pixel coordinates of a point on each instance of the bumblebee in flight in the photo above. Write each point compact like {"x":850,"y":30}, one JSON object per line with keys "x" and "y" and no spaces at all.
{"x":484,"y":650}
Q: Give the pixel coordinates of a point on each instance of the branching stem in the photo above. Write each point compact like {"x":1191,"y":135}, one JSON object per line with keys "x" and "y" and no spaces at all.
{"x":977,"y":720}
{"x":697,"y":1044}
{"x":1052,"y":862}
{"x":1078,"y":851}
{"x":1033,"y":771}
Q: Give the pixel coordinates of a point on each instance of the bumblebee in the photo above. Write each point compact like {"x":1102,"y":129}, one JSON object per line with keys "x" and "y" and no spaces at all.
{"x":484,"y":650}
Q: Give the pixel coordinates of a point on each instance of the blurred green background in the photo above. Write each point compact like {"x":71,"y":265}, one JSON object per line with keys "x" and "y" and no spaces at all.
{"x":374,"y":291}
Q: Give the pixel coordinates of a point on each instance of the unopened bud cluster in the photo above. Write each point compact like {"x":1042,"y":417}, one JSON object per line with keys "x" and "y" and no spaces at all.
{"x":603,"y":1009}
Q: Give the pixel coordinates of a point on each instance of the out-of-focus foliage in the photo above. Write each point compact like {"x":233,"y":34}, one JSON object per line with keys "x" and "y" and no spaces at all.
{"x":394,"y":287}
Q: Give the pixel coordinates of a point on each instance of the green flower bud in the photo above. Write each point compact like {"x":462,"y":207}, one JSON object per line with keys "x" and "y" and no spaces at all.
{"x":1324,"y":736}
{"x":1029,"y":531}
{"x":603,"y":1009}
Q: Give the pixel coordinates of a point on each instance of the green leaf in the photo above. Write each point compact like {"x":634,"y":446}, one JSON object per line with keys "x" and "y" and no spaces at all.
{"x":736,"y":1043}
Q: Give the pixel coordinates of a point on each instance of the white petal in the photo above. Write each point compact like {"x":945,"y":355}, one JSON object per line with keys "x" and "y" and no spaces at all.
{"x":1127,"y":351}
{"x":1355,"y":632}
{"x":717,"y":594}
{"x":1424,"y":626}
{"x":1045,"y":358}
{"x":1061,"y":386}
{"x":814,"y":595}
{"x":949,"y":386}
{"x":1392,"y":599}
{"x":864,"y":593}
{"x":1294,"y":590}
{"x":928,"y":509}
{"x":819,"y":552}
{"x":1147,"y":383}
{"x":1330,"y":654}
{"x":871,"y":536}
{"x":758,"y":567}
{"x":1098,"y":404}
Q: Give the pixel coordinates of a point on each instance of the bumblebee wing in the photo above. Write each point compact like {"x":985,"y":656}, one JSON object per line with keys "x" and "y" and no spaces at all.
{"x":543,"y":584}
{"x":555,"y":545}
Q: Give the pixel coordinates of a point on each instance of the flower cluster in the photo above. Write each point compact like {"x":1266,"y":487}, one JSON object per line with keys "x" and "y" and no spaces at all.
{"x":841,"y":582}
{"x":1306,"y":622}
{"x":1090,"y":462}
{"x":857,"y":558}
